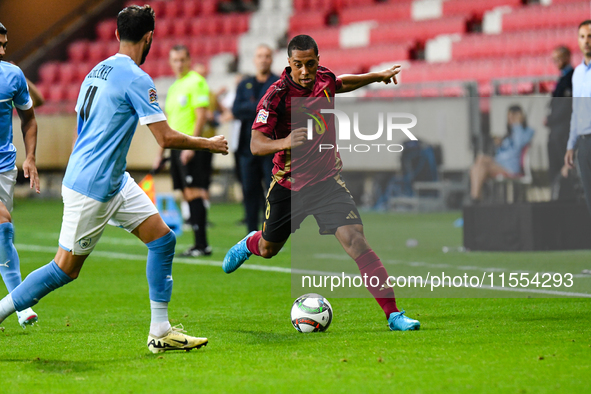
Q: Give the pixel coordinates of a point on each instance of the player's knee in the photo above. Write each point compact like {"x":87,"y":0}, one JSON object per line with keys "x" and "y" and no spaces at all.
{"x":170,"y":240}
{"x":164,"y":244}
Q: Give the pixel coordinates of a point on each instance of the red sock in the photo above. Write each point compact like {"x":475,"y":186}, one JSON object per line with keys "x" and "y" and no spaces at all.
{"x":369,"y":264}
{"x":252,"y":243}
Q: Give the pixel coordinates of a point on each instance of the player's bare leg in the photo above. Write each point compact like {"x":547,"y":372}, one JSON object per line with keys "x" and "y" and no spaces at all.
{"x":355,"y":244}
{"x":269,"y":249}
{"x":161,"y":242}
{"x":484,"y":168}
{"x":69,"y":263}
{"x":10,"y":264}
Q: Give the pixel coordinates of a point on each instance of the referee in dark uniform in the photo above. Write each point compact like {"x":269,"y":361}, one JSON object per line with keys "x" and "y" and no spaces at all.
{"x":255,"y":171}
{"x":558,"y":121}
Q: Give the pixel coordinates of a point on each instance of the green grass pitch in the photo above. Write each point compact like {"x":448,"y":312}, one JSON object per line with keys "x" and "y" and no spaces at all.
{"x":91,"y":337}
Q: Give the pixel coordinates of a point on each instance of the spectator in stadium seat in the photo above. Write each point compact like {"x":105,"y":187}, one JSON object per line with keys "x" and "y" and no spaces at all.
{"x":507,"y":159}
{"x":580,"y":124}
{"x":558,"y":121}
{"x":254,"y":170}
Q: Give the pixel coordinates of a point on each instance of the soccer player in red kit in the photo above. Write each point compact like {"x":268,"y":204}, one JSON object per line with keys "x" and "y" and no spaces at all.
{"x":310,"y":183}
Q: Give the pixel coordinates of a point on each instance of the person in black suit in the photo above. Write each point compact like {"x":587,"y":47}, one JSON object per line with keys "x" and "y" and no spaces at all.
{"x":558,"y":121}
{"x":255,"y":171}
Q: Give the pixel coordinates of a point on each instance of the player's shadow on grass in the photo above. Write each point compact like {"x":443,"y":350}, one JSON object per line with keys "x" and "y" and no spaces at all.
{"x":256,"y":337}
{"x":61,"y":367}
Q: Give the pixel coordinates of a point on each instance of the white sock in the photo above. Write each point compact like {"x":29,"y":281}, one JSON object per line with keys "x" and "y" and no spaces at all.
{"x":159,"y":324}
{"x":6,"y":307}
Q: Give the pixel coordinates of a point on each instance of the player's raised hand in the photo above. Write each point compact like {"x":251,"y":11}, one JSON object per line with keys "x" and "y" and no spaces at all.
{"x":219,"y":145}
{"x":389,"y":75}
{"x":298,"y":137}
{"x":30,"y":171}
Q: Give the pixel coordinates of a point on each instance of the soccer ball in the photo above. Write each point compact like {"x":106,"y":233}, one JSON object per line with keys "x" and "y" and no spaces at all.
{"x":310,"y":313}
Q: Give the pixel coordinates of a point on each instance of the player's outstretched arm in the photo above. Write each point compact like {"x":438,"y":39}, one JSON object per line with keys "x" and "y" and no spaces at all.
{"x":261,"y":145}
{"x":29,"y":129}
{"x":356,"y":81}
{"x":168,"y":138}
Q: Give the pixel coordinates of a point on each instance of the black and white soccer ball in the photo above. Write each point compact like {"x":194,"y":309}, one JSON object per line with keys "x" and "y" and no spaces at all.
{"x":310,"y":313}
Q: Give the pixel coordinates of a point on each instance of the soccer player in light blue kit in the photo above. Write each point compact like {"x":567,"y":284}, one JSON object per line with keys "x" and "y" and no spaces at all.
{"x":14,"y":90}
{"x":97,"y":190}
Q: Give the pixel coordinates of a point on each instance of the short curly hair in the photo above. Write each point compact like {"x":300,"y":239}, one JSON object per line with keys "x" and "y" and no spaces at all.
{"x":135,"y":21}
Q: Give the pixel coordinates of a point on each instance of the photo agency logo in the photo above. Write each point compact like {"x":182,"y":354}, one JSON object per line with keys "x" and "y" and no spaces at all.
{"x":395,"y":122}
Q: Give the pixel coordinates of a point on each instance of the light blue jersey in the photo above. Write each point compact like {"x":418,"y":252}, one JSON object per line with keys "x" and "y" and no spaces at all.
{"x":113,"y":97}
{"x":13,"y":90}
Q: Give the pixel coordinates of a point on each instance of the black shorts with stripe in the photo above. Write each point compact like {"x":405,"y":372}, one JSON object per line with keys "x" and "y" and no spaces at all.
{"x":329,"y":201}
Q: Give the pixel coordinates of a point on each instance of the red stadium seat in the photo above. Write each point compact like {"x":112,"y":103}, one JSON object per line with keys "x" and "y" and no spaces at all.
{"x":48,"y":72}
{"x":475,"y":8}
{"x":181,"y":27}
{"x":196,"y":47}
{"x":322,"y":5}
{"x":227,"y":24}
{"x":72,"y":91}
{"x":234,"y":23}
{"x":105,"y":30}
{"x":242,"y":23}
{"x":555,"y":2}
{"x":537,"y":16}
{"x":453,"y":91}
{"x":196,"y":26}
{"x":158,"y":49}
{"x":78,"y":50}
{"x":81,"y":71}
{"x":172,"y":9}
{"x":111,"y":48}
{"x":96,"y":51}
{"x":307,"y":20}
{"x":211,"y":25}
{"x":57,"y":93}
{"x":512,"y":44}
{"x":327,"y":38}
{"x":189,"y":8}
{"x":419,"y":30}
{"x":384,"y":12}
{"x":300,"y":5}
{"x":210,"y":46}
{"x":208,"y":7}
{"x":66,"y":73}
{"x":163,"y":68}
{"x":164,"y":27}
{"x":364,"y":57}
{"x":228,"y":43}
{"x":158,"y":7}
{"x":44,"y":89}
{"x":150,"y":67}
{"x":340,"y":4}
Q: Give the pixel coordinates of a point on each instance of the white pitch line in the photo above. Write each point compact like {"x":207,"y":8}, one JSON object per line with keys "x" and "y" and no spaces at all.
{"x":441,"y":265}
{"x":254,"y":267}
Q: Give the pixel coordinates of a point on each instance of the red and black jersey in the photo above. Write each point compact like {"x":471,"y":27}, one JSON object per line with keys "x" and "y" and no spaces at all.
{"x":307,"y":165}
